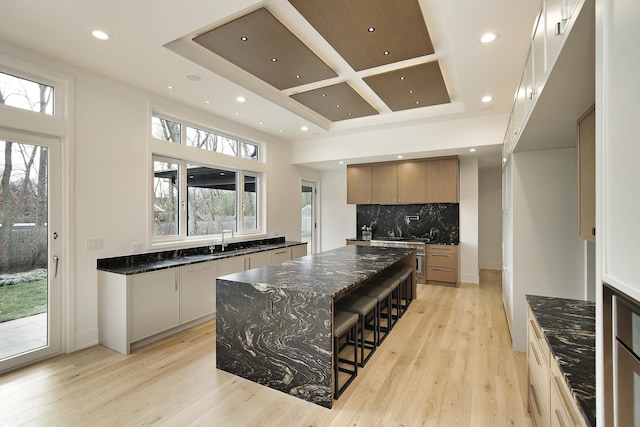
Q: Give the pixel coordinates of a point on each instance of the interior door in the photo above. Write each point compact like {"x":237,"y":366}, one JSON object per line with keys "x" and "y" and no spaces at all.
{"x":308,"y":208}
{"x":30,"y":264}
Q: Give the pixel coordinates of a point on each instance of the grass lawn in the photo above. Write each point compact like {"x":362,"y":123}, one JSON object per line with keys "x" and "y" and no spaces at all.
{"x":23,"y":299}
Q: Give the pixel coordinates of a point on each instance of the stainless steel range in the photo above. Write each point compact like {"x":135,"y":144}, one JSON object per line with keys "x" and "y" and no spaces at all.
{"x":418,"y":245}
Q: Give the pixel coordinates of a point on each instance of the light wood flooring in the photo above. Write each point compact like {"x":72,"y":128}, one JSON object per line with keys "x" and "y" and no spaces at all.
{"x":448,"y":362}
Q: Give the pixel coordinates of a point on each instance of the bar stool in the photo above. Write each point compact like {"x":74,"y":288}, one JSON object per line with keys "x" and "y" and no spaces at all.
{"x":364,"y":306}
{"x":381,"y":291}
{"x":344,"y":323}
{"x":405,"y":289}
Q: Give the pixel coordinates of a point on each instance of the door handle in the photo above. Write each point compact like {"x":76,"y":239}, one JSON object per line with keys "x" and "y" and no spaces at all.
{"x":55,"y":266}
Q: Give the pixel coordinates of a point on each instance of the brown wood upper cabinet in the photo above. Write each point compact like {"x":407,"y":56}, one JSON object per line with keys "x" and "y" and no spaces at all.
{"x":384,"y":183}
{"x":442,"y":181}
{"x":359,"y":184}
{"x":412,"y":181}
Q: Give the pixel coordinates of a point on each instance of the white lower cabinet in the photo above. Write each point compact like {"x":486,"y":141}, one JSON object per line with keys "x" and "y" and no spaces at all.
{"x":230,"y":265}
{"x":154,"y":303}
{"x":137,"y":309}
{"x":257,"y":260}
{"x":280,"y":255}
{"x":197,"y":290}
{"x":298,"y":251}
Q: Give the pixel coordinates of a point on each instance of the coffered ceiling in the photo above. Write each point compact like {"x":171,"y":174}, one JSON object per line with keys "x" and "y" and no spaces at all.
{"x":333,"y":67}
{"x":365,"y":34}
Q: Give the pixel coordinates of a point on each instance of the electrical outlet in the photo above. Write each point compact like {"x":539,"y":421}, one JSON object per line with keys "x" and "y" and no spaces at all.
{"x":93,"y":244}
{"x":136,"y":247}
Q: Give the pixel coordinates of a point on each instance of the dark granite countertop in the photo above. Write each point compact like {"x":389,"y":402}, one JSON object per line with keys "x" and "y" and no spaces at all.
{"x":327,"y":273}
{"x":143,"y":263}
{"x":570,"y":330}
{"x":355,"y":239}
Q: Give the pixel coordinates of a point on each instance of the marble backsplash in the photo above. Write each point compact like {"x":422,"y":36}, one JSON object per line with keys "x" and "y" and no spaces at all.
{"x":437,"y":223}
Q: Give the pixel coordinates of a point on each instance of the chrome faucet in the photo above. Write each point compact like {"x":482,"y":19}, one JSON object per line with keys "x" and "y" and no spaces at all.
{"x":226,"y":244}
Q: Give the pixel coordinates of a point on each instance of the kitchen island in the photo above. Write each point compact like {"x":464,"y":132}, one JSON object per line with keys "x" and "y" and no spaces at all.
{"x":274,"y":324}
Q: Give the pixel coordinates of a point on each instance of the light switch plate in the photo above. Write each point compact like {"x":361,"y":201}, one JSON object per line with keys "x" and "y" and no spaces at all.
{"x":94,"y":244}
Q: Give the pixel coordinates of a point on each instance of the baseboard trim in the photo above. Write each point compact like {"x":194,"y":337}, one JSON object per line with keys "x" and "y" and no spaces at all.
{"x":491,"y":265}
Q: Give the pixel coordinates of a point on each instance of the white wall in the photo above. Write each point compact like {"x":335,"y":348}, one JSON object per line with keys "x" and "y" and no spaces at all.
{"x":547,"y":254}
{"x":338,"y":218}
{"x":424,"y":140}
{"x":490,"y":218}
{"x":112,"y":178}
{"x":469,"y":272}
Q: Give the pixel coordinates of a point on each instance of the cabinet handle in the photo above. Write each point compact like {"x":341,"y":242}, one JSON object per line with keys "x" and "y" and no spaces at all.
{"x":560,"y":418}
{"x":563,"y":396}
{"x":176,"y":283}
{"x":534,"y":393}
{"x":444,"y":255}
{"x":198,"y":269}
{"x":535,"y":330}
{"x":278,"y":253}
{"x":535,"y":353}
{"x":440,"y":269}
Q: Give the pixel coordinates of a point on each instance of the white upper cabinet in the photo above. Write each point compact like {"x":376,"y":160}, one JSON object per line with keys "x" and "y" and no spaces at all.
{"x":557,"y":83}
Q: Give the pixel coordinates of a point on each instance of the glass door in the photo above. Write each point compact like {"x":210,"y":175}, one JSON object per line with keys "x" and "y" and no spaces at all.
{"x":29,"y":249}
{"x":309,"y":224}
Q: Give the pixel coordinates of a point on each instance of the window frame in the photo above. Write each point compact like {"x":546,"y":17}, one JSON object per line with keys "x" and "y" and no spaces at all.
{"x":183,"y":155}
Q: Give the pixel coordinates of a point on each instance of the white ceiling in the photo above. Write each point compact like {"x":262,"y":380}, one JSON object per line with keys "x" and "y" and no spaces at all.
{"x":147,"y":34}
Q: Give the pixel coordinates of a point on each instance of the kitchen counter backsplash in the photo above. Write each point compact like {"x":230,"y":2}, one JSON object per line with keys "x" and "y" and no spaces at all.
{"x":437,"y":223}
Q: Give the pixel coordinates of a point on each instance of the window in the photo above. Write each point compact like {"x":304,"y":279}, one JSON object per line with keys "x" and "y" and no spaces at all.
{"x":250,"y":202}
{"x":197,"y":194}
{"x":166,"y":199}
{"x":211,"y":200}
{"x":165,"y":130}
{"x":26,"y":94}
{"x":171,"y":131}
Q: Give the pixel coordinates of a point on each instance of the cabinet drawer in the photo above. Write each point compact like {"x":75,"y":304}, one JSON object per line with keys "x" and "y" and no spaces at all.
{"x":538,"y":412}
{"x":535,"y":334}
{"x":539,"y":375}
{"x":564,"y":410}
{"x":442,"y":273}
{"x":441,"y":249}
{"x":442,"y":259}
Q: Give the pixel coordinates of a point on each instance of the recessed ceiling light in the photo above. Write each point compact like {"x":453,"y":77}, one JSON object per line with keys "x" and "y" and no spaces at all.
{"x":410,"y":91}
{"x":280,"y":131}
{"x":371,"y":29}
{"x":402,"y":78}
{"x":100,"y":35}
{"x":324,"y":95}
{"x":473,"y":150}
{"x":337,"y":105}
{"x":401,"y":156}
{"x":297,"y":76}
{"x":386,"y":52}
{"x":274,"y":59}
{"x":417,"y":102}
{"x":169,"y":87}
{"x":486,"y":99}
{"x":236,"y":113}
{"x":207,"y":102}
{"x":244,"y":38}
{"x":261,"y":123}
{"x":341,"y":162}
{"x":304,"y":128}
{"x":241,"y":99}
{"x":488,"y":37}
{"x":194,"y":77}
{"x":504,"y":159}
